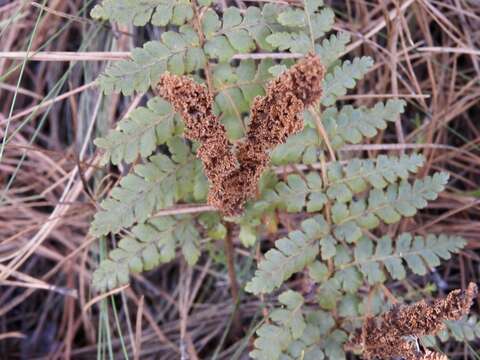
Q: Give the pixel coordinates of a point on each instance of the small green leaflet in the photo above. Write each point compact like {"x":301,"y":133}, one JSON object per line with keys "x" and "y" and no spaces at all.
{"x":152,"y":186}
{"x":140,"y":133}
{"x":139,"y":13}
{"x":291,"y":254}
{"x":177,"y":52}
{"x":149,"y":244}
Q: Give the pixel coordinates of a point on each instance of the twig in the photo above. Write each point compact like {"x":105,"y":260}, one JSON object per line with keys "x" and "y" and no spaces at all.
{"x":185,"y":209}
{"x":49,"y":102}
{"x":103,"y":296}
{"x":68,"y":56}
{"x":451,"y":50}
{"x":391,"y":16}
{"x":323,"y":133}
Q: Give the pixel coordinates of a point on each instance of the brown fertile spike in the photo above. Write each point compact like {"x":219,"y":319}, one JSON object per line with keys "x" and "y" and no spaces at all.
{"x":431,"y":355}
{"x":394,"y":333}
{"x":195,"y":104}
{"x":233,"y":175}
{"x":275,"y":116}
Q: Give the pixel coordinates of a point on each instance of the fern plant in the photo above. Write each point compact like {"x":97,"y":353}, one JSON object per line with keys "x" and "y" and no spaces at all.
{"x":340,"y":251}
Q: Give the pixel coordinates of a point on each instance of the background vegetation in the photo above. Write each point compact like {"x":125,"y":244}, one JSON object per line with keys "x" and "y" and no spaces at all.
{"x":425,"y":53}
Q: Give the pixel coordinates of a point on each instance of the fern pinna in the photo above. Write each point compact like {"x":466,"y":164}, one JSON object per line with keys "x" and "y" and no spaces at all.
{"x":339,"y":252}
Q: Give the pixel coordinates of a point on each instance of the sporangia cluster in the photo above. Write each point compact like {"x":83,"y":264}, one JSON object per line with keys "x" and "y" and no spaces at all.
{"x":234,"y":171}
{"x":395,"y":333}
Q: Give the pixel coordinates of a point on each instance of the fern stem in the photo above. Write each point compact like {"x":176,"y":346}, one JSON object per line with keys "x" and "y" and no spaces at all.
{"x":389,"y":294}
{"x":323,"y":133}
{"x":327,"y":208}
{"x":198,"y":28}
{"x":230,"y":257}
{"x":185,"y":209}
{"x":310,"y":28}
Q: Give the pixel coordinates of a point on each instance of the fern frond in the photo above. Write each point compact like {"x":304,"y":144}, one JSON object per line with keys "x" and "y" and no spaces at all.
{"x":463,"y":330}
{"x":297,"y":193}
{"x":352,"y":178}
{"x":291,"y":254}
{"x":387,"y":205}
{"x":177,"y":52}
{"x":139,"y":133}
{"x":344,"y":77}
{"x":344,"y":180}
{"x":237,"y":32}
{"x":320,"y":20}
{"x":306,"y":26}
{"x":236,"y":87}
{"x":293,"y":42}
{"x":152,"y":186}
{"x":332,"y":48}
{"x":420,"y":254}
{"x":149,"y":244}
{"x":351,"y":124}
{"x":139,"y":13}
{"x":299,"y":148}
{"x":320,"y":338}
{"x":467,"y":329}
{"x":391,"y":204}
{"x":288,"y":325}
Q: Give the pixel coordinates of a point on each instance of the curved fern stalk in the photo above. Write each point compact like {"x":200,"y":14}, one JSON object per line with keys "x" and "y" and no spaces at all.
{"x":139,"y":13}
{"x":148,"y":245}
{"x":177,"y":52}
{"x":154,"y":185}
{"x":140,"y":133}
{"x":344,"y":180}
{"x":290,"y":255}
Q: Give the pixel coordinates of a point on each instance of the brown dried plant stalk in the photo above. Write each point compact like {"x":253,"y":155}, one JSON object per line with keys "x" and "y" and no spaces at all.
{"x":234,"y":172}
{"x":394,"y":334}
